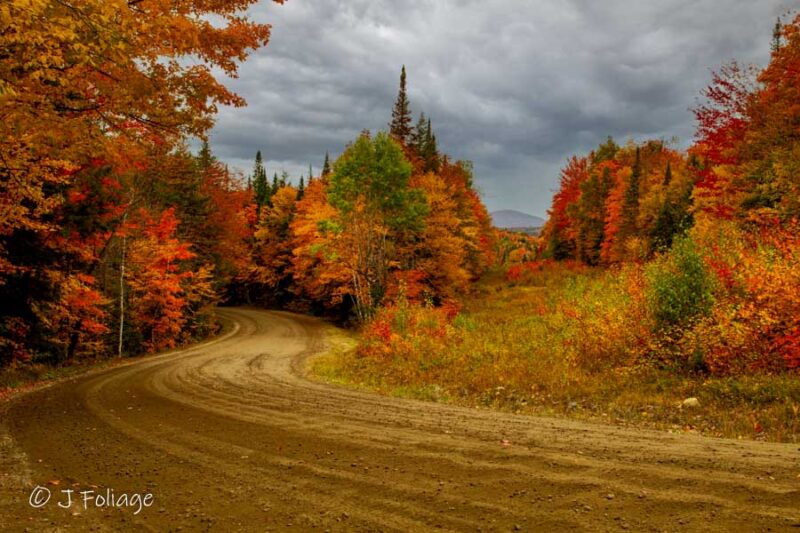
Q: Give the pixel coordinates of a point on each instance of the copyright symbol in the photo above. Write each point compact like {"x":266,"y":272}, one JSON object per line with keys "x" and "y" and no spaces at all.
{"x":39,"y":496}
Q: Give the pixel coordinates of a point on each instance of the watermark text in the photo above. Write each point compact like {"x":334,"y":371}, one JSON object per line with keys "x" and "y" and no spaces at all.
{"x":67,"y":498}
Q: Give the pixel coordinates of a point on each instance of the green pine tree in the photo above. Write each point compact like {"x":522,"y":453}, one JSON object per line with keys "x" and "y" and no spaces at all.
{"x":326,"y":166}
{"x":205,"y":159}
{"x":430,"y":151}
{"x":400,"y":126}
{"x":667,"y":175}
{"x":418,"y":135}
{"x":674,"y":218}
{"x":777,"y":36}
{"x":260,"y":188}
{"x":606,"y":151}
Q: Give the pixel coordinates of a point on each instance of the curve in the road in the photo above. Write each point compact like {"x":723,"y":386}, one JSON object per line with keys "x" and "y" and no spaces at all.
{"x":229,"y":435}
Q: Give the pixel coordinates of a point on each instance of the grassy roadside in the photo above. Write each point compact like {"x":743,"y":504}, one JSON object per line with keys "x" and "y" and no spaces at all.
{"x":557,"y":346}
{"x":28,"y":377}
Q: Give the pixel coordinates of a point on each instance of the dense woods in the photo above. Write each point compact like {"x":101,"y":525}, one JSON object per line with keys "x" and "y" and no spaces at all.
{"x":115,"y":238}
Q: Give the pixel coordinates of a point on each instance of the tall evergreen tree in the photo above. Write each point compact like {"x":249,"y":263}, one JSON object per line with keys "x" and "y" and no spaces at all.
{"x":326,"y":166}
{"x":301,"y":188}
{"x":674,"y":218}
{"x":260,"y":188}
{"x":418,"y":135}
{"x":777,"y":36}
{"x":275,"y":184}
{"x":400,"y":126}
{"x":205,"y":159}
{"x":667,"y":175}
{"x":430,"y":151}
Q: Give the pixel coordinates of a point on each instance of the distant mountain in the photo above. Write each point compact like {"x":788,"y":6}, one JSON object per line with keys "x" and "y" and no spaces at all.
{"x":511,"y":219}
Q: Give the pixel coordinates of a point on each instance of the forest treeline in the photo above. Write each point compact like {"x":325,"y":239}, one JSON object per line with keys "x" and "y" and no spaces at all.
{"x":116,"y":239}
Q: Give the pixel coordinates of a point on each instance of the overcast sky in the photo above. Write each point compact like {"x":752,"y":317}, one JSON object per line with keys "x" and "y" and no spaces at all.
{"x":515,"y":86}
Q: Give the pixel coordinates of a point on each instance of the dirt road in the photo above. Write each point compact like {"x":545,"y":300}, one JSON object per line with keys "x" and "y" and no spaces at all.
{"x":229,"y":436}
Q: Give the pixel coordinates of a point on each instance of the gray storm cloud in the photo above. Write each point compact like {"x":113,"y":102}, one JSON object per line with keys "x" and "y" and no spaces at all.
{"x":514,"y":86}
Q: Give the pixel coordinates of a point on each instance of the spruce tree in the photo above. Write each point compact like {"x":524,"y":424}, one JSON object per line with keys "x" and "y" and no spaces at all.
{"x":400,"y":126}
{"x":777,"y":36}
{"x":275,"y":184}
{"x":606,"y":151}
{"x":674,"y":218}
{"x":326,"y":166}
{"x":205,"y":159}
{"x":667,"y":175}
{"x":260,"y":187}
{"x":430,"y":152}
{"x":301,"y":189}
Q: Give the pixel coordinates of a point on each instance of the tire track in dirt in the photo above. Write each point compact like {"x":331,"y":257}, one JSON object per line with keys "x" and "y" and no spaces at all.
{"x":230,"y":436}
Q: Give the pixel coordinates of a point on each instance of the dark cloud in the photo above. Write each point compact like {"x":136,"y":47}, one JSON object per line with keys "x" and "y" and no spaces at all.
{"x":514,"y":86}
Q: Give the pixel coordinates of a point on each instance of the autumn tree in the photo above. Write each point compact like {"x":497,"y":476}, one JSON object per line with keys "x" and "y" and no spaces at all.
{"x":560,"y":232}
{"x":322,"y":282}
{"x":272,"y":248}
{"x":438,"y":268}
{"x":592,"y":213}
{"x":369,"y":190}
{"x":165,"y":296}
